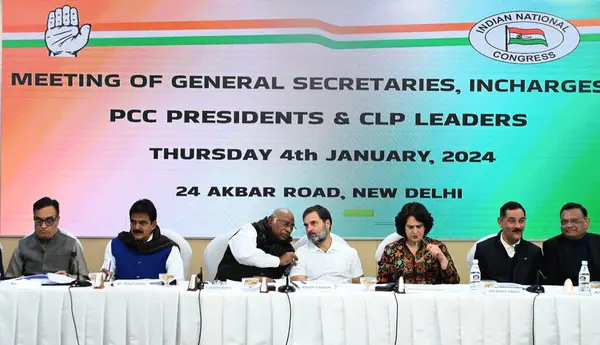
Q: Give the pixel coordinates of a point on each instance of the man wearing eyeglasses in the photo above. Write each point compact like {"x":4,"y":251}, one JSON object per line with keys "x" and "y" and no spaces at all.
{"x":563,"y":253}
{"x":261,"y":248}
{"x":47,"y":250}
{"x":508,"y":257}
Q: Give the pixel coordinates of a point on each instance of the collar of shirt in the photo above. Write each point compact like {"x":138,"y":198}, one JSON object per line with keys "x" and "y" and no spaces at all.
{"x":335,"y":245}
{"x":150,"y":238}
{"x":510,"y":249}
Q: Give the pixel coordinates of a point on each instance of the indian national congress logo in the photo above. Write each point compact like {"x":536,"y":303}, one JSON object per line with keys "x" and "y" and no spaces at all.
{"x":524,"y":37}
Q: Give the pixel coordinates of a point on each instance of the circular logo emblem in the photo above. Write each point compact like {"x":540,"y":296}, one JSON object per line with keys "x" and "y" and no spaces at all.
{"x":524,"y":37}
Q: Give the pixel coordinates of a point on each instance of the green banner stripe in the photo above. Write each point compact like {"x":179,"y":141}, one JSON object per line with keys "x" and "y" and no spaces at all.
{"x":590,"y":38}
{"x":527,"y":42}
{"x":250,"y":39}
{"x":268,"y":39}
{"x":359,"y":213}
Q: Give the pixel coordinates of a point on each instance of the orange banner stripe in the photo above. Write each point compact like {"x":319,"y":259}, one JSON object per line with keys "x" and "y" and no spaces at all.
{"x":276,"y":24}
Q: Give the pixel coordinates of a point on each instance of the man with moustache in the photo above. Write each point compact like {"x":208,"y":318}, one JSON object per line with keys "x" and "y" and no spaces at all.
{"x":142,"y":252}
{"x":564,"y":253}
{"x":260,"y":249}
{"x":47,"y":250}
{"x":323,"y":258}
{"x":508,"y":257}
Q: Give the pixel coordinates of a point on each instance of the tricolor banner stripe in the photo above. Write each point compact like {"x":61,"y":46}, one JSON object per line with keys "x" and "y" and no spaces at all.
{"x":278,"y":31}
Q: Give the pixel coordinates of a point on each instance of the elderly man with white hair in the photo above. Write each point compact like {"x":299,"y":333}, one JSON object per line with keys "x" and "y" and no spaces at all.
{"x":260,"y":249}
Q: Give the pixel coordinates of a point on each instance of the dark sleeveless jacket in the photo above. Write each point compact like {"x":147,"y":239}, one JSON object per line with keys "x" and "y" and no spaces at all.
{"x":230,"y":268}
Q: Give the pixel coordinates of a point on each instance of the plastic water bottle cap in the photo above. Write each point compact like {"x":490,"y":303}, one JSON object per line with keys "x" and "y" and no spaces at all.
{"x":584,"y":262}
{"x":476,"y":262}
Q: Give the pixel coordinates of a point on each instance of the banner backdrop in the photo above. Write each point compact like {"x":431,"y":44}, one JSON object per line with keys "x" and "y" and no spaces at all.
{"x":221,"y":111}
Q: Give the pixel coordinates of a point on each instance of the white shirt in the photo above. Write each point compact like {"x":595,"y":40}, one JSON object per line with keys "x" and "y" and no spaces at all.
{"x":174,"y":262}
{"x":510,"y":250}
{"x":244,"y":250}
{"x":338,"y":265}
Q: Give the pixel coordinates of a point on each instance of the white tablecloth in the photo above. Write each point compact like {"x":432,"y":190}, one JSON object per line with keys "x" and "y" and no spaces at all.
{"x":169,"y":315}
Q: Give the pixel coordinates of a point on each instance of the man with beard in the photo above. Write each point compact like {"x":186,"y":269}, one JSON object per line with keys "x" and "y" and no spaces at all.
{"x":47,"y":250}
{"x":260,"y":249}
{"x":322,"y":257}
{"x":142,"y":252}
{"x":508,"y":257}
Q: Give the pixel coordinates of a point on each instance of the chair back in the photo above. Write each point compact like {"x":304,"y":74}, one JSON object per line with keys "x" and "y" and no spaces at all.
{"x":184,"y":248}
{"x":213,"y":254}
{"x":471,"y":252}
{"x":393,"y":237}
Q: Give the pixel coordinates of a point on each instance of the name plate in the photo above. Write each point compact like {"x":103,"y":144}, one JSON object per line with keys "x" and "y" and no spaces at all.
{"x":596,"y":292}
{"x":220,"y":287}
{"x":27,"y":284}
{"x":417,"y":288}
{"x":317,"y":287}
{"x":131,"y":283}
{"x":503,"y":291}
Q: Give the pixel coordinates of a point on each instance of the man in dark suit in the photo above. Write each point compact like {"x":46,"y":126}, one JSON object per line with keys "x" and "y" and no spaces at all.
{"x":1,"y":266}
{"x":507,"y":257}
{"x":564,"y":253}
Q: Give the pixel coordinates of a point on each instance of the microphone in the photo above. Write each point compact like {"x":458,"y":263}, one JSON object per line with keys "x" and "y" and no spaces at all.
{"x":200,"y":280}
{"x":78,"y":282}
{"x":399,"y":288}
{"x":537,"y":288}
{"x":196,"y":282}
{"x":287,"y":287}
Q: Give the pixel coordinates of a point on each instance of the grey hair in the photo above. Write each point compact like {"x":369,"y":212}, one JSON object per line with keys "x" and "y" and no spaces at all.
{"x":279,"y":212}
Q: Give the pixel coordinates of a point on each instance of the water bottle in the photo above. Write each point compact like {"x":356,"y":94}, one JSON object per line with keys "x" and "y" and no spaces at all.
{"x":475,"y":276}
{"x":584,"y":279}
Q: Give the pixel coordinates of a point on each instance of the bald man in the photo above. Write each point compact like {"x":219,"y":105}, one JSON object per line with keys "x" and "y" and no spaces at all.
{"x":260,"y":249}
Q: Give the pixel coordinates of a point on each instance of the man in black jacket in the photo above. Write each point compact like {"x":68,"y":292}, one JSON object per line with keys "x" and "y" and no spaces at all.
{"x":507,"y":257}
{"x":564,"y":253}
{"x":1,"y":266}
{"x":262,"y":248}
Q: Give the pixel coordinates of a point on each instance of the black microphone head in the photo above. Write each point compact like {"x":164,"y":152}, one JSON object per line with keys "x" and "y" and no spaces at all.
{"x":287,"y":270}
{"x":200,"y":274}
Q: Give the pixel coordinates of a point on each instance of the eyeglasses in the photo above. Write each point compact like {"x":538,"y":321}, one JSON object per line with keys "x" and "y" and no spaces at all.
{"x":576,"y":221}
{"x":48,"y":221}
{"x":286,"y":224}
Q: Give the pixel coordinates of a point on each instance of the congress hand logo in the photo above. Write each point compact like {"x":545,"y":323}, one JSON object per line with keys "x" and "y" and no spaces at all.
{"x":63,"y":35}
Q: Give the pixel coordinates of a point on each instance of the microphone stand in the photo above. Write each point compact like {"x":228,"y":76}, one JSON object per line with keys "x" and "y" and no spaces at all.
{"x":78,"y":282}
{"x":537,"y":288}
{"x":200,"y":281}
{"x":287,"y":287}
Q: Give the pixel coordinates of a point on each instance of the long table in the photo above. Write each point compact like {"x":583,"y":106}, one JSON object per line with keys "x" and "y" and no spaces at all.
{"x":170,"y":315}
